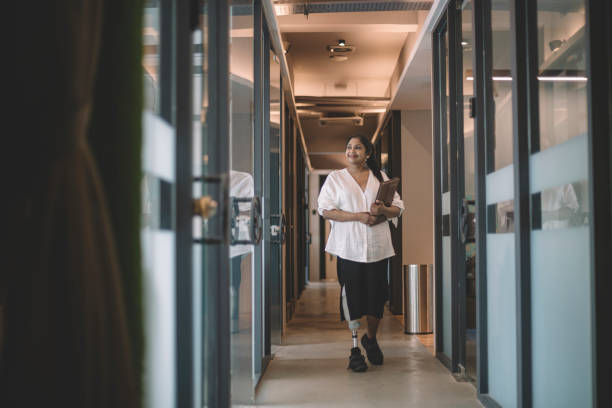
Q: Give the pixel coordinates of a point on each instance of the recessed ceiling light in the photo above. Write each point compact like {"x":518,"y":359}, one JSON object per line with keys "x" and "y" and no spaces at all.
{"x":338,"y":58}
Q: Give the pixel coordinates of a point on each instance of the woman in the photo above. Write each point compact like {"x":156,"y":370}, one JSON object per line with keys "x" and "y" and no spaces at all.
{"x":361,"y":240}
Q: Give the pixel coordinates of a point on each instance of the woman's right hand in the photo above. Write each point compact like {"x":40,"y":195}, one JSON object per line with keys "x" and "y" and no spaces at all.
{"x":363,"y":217}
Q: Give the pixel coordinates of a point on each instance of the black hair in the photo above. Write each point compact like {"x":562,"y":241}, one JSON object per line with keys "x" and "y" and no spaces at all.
{"x":371,"y":161}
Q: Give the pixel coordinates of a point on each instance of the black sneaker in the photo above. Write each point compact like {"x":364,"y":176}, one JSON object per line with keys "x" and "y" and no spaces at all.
{"x":357,"y":361}
{"x":372,"y":350}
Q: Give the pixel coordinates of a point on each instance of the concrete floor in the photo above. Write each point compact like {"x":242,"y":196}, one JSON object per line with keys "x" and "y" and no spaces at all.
{"x":309,"y":370}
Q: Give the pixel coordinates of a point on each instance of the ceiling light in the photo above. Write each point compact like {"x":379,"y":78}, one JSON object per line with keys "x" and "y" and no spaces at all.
{"x":563,"y":78}
{"x":541,"y":78}
{"x":338,"y":58}
{"x":341,"y":121}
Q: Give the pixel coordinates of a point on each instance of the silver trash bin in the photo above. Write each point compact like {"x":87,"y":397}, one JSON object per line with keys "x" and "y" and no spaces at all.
{"x":418,"y":299}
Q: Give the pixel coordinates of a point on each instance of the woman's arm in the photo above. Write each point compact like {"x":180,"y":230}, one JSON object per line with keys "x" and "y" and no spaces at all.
{"x":378,"y":208}
{"x":345,"y":216}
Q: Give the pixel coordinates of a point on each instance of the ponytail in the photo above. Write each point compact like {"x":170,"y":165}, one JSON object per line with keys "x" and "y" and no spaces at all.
{"x":373,"y":165}
{"x":371,"y":161}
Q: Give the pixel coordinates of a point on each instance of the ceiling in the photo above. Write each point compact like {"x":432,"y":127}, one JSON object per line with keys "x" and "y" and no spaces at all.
{"x":359,"y":86}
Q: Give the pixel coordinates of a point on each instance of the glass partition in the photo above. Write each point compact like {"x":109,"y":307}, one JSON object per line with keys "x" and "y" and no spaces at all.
{"x":447,"y":336}
{"x":468,"y":204}
{"x":158,"y":232}
{"x":275,"y":200}
{"x":241,"y":191}
{"x":500,"y":241}
{"x":561,"y":299}
{"x":201,"y":228}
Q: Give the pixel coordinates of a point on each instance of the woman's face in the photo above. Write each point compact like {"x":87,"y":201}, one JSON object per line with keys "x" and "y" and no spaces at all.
{"x":355,"y":152}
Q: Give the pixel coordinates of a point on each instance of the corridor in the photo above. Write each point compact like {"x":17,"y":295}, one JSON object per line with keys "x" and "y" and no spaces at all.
{"x":309,"y":370}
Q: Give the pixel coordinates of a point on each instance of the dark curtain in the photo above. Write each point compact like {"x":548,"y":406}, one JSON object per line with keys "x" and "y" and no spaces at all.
{"x":115,"y":139}
{"x":66,"y":336}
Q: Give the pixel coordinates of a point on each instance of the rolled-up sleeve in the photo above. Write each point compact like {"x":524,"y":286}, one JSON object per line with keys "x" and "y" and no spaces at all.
{"x":328,"y":196}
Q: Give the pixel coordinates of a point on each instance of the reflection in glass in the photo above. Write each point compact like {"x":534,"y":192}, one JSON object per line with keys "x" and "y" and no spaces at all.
{"x":206,"y":228}
{"x":241,"y":186}
{"x":446,"y":134}
{"x":150,"y":58}
{"x":565,"y":206}
{"x":562,"y":72}
{"x":500,"y":217}
{"x":502,"y":88}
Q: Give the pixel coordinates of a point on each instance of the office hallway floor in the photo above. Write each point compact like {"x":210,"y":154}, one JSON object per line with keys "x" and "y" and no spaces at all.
{"x":309,"y":370}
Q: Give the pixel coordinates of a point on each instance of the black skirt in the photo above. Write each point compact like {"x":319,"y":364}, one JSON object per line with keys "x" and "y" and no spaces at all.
{"x":366,"y":287}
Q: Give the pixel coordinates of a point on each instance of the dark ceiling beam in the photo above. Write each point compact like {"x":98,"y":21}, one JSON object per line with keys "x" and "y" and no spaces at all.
{"x":289,"y":7}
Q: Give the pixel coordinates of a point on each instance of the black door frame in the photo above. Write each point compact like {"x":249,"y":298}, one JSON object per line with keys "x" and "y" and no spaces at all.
{"x":483,"y":108}
{"x":599,"y":68}
{"x":438,"y":79}
{"x":449,"y":24}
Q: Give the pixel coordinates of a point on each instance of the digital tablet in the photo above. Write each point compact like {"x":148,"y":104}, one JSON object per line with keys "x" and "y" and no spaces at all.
{"x":387,"y":190}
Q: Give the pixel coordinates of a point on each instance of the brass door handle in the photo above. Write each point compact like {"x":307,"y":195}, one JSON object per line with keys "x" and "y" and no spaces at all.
{"x":205,"y":207}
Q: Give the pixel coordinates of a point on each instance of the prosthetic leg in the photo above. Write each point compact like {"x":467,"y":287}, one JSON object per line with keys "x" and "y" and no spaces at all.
{"x":356,"y":360}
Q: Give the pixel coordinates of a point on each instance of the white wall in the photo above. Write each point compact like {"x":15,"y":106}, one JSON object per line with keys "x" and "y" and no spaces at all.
{"x":417,"y":187}
{"x":331,"y":261}
{"x":313,"y":219}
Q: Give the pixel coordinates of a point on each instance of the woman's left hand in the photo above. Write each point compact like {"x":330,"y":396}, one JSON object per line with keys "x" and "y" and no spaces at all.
{"x":376,"y":208}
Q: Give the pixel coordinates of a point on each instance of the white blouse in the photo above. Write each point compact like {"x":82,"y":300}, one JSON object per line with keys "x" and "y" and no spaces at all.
{"x":353,"y":240}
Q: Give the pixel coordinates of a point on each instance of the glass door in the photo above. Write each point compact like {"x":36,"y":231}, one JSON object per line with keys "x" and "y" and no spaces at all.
{"x":277,"y":221}
{"x":244,"y":204}
{"x":467,"y":179}
{"x":444,"y":332}
{"x":499,"y":274}
{"x":158,"y":226}
{"x":561,"y":222}
{"x":455,"y":190}
{"x":226,"y":194}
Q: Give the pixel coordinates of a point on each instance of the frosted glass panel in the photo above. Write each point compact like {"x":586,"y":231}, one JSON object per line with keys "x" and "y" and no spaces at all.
{"x":501,"y":318}
{"x":159,"y":317}
{"x":446,"y":203}
{"x":446,"y":297}
{"x":561,"y":318}
{"x":500,"y":185}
